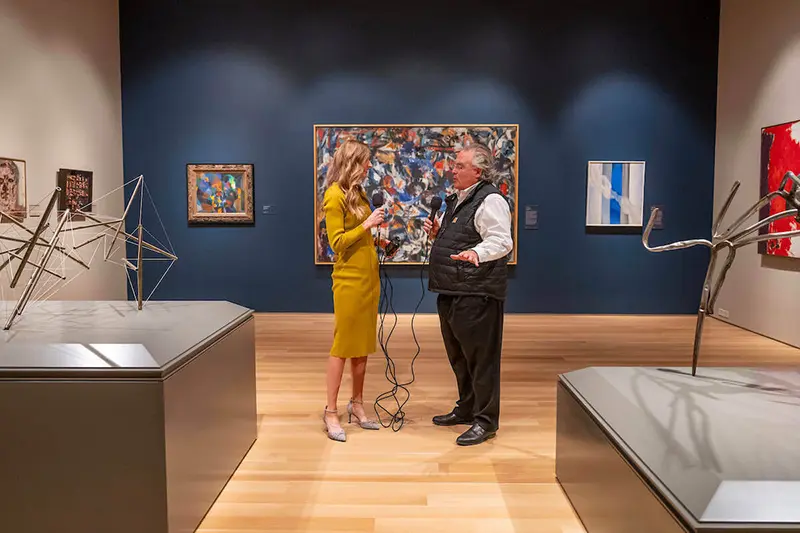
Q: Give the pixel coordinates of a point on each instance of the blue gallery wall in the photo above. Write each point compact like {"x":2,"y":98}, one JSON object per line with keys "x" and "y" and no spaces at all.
{"x":245,"y":81}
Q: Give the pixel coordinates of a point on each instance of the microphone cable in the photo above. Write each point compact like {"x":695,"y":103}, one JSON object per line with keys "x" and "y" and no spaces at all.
{"x":397,"y":418}
{"x":386,"y":303}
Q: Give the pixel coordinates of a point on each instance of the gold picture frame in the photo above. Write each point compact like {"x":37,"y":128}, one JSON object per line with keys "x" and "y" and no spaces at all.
{"x":220,"y":193}
{"x":425,"y":170}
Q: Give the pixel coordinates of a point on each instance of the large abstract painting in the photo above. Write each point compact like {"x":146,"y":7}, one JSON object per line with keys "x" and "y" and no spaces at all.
{"x":13,"y":189}
{"x":411,"y":165}
{"x":780,"y":153}
{"x":220,"y":193}
{"x":615,"y":194}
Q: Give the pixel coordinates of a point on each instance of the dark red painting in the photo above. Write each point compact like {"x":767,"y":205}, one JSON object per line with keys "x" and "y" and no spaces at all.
{"x":780,"y":153}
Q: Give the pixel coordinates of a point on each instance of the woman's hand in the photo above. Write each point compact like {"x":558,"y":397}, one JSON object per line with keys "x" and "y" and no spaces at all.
{"x":375,"y":219}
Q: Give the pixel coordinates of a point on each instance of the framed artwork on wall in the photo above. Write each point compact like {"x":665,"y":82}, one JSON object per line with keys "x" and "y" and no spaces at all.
{"x":220,"y":193}
{"x":410,"y":165}
{"x":615,"y":195}
{"x":76,"y":191}
{"x":13,"y":189}
{"x":780,"y":153}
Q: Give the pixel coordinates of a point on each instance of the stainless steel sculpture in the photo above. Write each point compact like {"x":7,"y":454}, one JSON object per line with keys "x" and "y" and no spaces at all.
{"x":731,"y":239}
{"x":34,"y":248}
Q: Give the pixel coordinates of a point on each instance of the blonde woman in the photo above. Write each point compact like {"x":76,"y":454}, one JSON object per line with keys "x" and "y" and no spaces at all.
{"x":356,"y":284}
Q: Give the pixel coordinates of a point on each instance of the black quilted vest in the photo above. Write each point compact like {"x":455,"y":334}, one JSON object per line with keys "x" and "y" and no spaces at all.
{"x":458,"y":233}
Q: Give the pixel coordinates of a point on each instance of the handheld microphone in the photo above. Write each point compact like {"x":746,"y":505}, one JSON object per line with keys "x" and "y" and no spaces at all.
{"x":377,"y":201}
{"x":436,"y":204}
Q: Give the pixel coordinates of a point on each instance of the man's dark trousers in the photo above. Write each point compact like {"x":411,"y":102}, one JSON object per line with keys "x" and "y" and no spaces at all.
{"x":472,"y":330}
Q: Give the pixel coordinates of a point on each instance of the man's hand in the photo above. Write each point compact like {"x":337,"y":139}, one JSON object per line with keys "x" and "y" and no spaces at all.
{"x":431,"y":228}
{"x":469,"y":256}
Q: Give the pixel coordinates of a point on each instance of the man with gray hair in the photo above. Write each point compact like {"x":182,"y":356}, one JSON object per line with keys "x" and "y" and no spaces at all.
{"x":468,"y":271}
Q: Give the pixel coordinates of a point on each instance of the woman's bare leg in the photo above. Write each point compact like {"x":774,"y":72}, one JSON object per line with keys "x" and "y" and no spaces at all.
{"x":358,"y":367}
{"x":334,"y":381}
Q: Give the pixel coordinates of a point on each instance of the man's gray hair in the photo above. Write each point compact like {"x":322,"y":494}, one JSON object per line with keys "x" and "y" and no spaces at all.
{"x":483,"y":159}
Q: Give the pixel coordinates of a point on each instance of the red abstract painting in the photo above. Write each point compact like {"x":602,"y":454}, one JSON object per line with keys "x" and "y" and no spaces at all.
{"x":780,"y":153}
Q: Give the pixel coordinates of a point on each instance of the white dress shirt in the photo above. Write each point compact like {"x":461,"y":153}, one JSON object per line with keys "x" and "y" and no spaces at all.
{"x":493,"y":223}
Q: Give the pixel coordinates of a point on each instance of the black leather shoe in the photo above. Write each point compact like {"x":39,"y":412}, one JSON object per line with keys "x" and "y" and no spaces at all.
{"x":474,"y":435}
{"x":450,"y":419}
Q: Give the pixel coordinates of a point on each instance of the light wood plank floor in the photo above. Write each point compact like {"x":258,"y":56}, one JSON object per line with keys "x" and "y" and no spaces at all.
{"x":417,"y":480}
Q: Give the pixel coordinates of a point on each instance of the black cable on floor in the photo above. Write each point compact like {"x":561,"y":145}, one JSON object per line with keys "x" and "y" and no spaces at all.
{"x":397,"y":418}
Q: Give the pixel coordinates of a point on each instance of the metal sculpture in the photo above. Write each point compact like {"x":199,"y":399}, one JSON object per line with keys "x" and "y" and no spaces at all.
{"x":731,"y":239}
{"x":25,"y":246}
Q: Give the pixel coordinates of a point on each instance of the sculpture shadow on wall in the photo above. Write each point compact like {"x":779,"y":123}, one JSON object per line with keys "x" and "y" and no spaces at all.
{"x":731,"y":240}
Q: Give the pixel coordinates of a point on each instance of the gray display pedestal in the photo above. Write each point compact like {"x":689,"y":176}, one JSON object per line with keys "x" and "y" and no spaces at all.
{"x":657,"y":450}
{"x":115,"y":420}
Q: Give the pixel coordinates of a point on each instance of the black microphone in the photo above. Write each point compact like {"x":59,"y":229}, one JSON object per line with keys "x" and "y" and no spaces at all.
{"x":436,"y":204}
{"x":377,"y":201}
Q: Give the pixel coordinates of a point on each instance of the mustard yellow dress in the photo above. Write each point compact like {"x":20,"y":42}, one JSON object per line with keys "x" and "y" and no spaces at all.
{"x":356,"y":282}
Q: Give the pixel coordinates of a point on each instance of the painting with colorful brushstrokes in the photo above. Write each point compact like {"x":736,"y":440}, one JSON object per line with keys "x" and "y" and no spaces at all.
{"x":220,"y":193}
{"x":13,"y":189}
{"x":780,"y":153}
{"x":411,"y":165}
{"x":615,"y":194}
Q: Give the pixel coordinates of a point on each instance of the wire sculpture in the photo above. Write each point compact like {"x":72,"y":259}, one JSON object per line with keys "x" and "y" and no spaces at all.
{"x":731,"y":240}
{"x":32,"y":250}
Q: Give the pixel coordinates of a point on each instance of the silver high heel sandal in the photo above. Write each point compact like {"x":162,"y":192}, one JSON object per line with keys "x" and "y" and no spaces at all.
{"x":366,"y":423}
{"x":333,"y":434}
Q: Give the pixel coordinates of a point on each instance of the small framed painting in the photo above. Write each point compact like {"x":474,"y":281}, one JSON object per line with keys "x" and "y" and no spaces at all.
{"x":220,"y":193}
{"x":76,"y":192}
{"x":615,"y":195}
{"x":13,"y":189}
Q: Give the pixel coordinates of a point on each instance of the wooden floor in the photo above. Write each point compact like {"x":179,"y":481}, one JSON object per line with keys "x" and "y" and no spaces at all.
{"x":417,"y":480}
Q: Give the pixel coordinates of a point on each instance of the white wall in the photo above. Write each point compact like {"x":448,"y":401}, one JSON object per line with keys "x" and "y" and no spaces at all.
{"x":759,"y":85}
{"x":60,"y":107}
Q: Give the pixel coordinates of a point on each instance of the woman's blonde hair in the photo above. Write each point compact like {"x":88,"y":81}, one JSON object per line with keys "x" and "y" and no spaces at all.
{"x":347,"y":169}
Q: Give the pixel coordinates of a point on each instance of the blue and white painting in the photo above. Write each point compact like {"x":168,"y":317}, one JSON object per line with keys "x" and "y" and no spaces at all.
{"x":615,"y":193}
